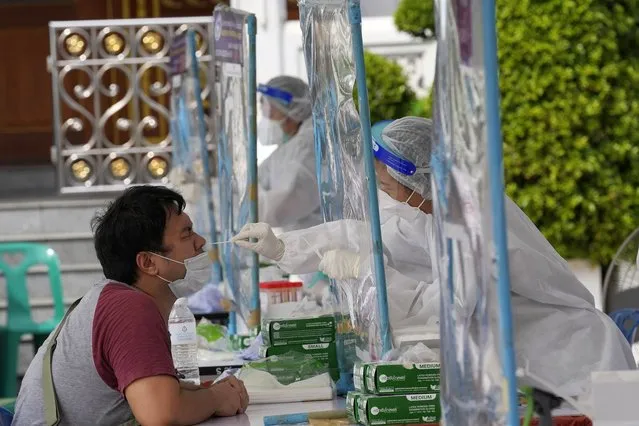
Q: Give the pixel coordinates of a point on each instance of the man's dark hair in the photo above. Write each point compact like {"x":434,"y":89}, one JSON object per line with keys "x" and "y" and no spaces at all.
{"x":132,"y":223}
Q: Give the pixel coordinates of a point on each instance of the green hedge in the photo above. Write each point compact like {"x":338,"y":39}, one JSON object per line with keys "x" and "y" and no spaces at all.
{"x":389,"y":94}
{"x":415,"y":17}
{"x":570,"y":118}
{"x":569,"y":77}
{"x":423,"y":107}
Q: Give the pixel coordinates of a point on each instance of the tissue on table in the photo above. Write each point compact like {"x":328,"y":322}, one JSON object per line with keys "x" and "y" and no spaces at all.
{"x":419,"y":353}
{"x":409,"y":336}
{"x":304,"y":308}
{"x":264,"y":388}
{"x":291,"y":367}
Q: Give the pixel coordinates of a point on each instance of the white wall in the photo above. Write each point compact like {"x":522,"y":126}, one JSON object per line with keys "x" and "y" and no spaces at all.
{"x":378,"y":7}
{"x":271,"y":17}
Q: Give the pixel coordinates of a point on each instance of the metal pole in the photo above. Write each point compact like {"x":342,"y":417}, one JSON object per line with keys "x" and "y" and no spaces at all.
{"x":355,"y":19}
{"x":496,"y":182}
{"x":252,"y":155}
{"x":55,"y":84}
{"x":213,"y":126}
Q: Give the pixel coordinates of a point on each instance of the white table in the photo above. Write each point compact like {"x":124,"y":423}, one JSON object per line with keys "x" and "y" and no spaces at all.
{"x":255,"y":414}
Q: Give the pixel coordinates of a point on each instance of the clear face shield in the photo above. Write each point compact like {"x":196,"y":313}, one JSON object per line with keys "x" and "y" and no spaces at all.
{"x":277,"y":106}
{"x":393,"y":171}
{"x":269,"y":129}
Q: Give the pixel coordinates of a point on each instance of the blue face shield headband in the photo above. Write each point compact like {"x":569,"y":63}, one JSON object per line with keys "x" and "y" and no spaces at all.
{"x":282,"y":96}
{"x":385,"y":155}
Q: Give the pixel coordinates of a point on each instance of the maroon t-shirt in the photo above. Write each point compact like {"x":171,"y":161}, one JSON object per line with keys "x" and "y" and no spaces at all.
{"x":115,"y":336}
{"x":130,"y":338}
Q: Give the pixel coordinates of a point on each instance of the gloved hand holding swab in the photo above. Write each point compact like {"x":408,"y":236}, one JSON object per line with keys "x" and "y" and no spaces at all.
{"x":265,"y":242}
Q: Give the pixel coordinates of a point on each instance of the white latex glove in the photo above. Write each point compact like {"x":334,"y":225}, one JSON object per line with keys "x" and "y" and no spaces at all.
{"x":340,"y":264}
{"x":265,"y":244}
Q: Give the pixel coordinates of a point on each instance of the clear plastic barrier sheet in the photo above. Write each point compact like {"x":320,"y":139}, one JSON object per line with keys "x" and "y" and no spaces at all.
{"x":340,"y":168}
{"x":237,"y":192}
{"x":472,"y":377}
{"x":191,"y":172}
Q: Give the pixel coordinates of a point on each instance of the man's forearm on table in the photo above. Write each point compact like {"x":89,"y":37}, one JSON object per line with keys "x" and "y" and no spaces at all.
{"x":195,"y":406}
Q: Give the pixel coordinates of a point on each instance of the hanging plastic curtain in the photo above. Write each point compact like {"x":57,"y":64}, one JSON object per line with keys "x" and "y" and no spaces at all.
{"x":341,"y":171}
{"x":476,"y":372}
{"x":191,"y":165}
{"x":234,"y":38}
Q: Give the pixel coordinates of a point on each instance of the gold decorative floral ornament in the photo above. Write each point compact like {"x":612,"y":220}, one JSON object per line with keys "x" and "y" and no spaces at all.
{"x":114,"y":44}
{"x":158,"y":167}
{"x":152,"y":42}
{"x":120,"y":168}
{"x":75,"y":44}
{"x":81,"y":170}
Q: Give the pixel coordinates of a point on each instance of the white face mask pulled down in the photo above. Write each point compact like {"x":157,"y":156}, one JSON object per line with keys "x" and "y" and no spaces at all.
{"x":198,"y":274}
{"x":269,"y":132}
{"x":391,"y":207}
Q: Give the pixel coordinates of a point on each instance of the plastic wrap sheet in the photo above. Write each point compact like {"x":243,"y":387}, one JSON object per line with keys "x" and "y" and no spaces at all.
{"x":340,"y":164}
{"x":472,"y":374}
{"x":290,"y":377}
{"x":191,"y":172}
{"x":233,"y":155}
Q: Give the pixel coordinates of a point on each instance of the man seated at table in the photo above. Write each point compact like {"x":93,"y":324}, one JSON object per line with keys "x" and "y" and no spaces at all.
{"x":112,"y":362}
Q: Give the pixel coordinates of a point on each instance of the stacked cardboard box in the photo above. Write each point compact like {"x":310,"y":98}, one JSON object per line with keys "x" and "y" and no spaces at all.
{"x":391,"y":393}
{"x":308,"y":336}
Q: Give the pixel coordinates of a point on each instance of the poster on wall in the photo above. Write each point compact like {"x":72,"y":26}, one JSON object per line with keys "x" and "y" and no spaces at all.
{"x":229,"y":41}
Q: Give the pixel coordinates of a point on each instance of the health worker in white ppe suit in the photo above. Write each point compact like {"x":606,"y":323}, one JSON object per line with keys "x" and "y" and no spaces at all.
{"x":560,"y":337}
{"x":405,"y":224}
{"x":288,"y":197}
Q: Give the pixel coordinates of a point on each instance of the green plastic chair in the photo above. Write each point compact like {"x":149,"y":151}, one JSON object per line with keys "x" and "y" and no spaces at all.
{"x":15,"y":260}
{"x":8,"y":404}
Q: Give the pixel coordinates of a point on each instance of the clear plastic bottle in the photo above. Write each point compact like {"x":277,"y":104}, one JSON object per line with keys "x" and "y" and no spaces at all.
{"x":184,"y":342}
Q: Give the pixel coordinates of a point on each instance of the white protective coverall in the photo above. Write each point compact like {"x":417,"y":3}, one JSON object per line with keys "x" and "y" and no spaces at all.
{"x":559,"y":334}
{"x":288,"y":196}
{"x":412,"y":300}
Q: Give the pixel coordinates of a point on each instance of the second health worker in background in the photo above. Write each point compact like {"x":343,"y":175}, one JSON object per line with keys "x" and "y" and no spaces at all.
{"x":288,"y":195}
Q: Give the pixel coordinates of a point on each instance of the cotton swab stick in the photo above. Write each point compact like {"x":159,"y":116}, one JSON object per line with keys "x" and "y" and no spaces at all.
{"x":312,"y":248}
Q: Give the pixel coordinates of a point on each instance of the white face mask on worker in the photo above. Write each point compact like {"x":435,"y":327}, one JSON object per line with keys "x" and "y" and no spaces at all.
{"x":198,"y":274}
{"x":269,"y":132}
